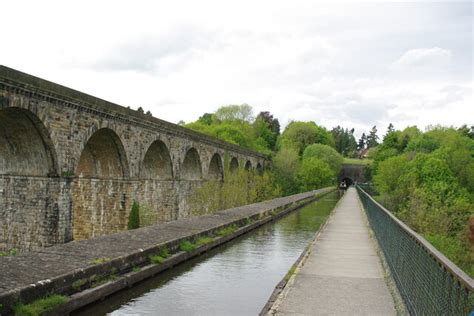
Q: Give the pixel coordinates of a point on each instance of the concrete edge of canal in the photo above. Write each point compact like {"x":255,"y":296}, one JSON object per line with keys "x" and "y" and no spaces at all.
{"x":278,"y":292}
{"x":118,"y":272}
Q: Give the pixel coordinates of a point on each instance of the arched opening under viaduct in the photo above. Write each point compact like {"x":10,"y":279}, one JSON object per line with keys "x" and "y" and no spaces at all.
{"x":25,"y":146}
{"x":157,"y":162}
{"x":234,"y":165}
{"x":103,"y":156}
{"x":259,"y":169}
{"x":100,"y":195}
{"x":215,"y":168}
{"x":191,"y":167}
{"x":248,"y":165}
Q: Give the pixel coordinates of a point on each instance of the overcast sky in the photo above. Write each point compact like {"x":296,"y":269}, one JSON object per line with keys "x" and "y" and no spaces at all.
{"x":353,"y":64}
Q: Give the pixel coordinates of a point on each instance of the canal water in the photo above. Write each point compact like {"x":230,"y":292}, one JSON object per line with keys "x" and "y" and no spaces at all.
{"x":234,"y":279}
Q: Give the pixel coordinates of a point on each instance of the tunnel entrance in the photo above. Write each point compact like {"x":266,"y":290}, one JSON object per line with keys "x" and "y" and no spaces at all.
{"x":348,"y":181}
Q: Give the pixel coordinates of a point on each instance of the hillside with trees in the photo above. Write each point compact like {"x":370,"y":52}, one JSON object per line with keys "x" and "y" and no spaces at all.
{"x":427,"y":180}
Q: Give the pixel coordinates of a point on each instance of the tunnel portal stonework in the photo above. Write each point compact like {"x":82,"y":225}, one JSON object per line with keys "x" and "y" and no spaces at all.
{"x":71,"y":165}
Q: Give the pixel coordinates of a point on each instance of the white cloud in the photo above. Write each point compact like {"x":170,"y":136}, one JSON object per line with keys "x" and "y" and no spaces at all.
{"x":352,"y":64}
{"x":434,"y":57}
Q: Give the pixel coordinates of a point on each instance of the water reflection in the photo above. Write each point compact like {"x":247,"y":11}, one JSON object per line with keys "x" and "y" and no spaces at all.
{"x":236,"y":279}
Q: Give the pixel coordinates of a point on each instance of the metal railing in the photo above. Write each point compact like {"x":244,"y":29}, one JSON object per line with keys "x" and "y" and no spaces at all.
{"x":429,"y":283}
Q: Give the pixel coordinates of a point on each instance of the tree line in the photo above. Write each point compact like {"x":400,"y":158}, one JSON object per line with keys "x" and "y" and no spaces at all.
{"x":425,"y":178}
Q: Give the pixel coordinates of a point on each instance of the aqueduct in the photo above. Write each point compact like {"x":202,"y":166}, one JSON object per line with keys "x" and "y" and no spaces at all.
{"x":71,"y":164}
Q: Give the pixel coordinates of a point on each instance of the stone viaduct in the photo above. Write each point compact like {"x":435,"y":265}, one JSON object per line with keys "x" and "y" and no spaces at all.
{"x":71,"y":165}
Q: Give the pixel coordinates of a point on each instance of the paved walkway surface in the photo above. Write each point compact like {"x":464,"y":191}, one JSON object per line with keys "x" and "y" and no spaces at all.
{"x":342,"y":275}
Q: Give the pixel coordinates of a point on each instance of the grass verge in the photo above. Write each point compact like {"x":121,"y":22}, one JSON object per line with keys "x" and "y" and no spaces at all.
{"x":39,"y":306}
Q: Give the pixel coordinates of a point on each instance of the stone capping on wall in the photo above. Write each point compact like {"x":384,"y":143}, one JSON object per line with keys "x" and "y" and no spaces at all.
{"x":76,"y":254}
{"x":22,"y":83}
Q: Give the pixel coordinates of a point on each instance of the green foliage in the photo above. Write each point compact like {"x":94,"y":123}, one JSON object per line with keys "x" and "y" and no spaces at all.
{"x":156,"y":259}
{"x":315,"y":174}
{"x":39,"y":306}
{"x":136,"y":269}
{"x":285,"y":168}
{"x":345,"y":142}
{"x":299,"y":135}
{"x":204,"y":240}
{"x":242,"y":113}
{"x":134,"y":216}
{"x":100,"y":260}
{"x":324,"y":153}
{"x":164,"y":252}
{"x":455,"y":250}
{"x":239,"y":188}
{"x":78,"y":284}
{"x":227,"y":230}
{"x":426,"y":179}
{"x":186,"y":245}
{"x":10,"y":252}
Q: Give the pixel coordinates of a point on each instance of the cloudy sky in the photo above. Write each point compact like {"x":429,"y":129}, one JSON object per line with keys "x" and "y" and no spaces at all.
{"x":354,"y":64}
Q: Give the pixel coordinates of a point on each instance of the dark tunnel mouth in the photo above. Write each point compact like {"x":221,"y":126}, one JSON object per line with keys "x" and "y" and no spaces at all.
{"x":348,"y":181}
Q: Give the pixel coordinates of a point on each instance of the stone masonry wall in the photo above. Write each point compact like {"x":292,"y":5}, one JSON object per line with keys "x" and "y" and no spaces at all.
{"x":71,"y":165}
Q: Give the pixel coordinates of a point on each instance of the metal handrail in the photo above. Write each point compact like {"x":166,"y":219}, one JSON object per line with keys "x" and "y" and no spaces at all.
{"x":459,"y":274}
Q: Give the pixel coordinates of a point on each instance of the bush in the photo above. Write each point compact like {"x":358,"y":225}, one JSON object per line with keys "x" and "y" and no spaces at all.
{"x":134,"y":216}
{"x":324,"y":153}
{"x":315,"y":174}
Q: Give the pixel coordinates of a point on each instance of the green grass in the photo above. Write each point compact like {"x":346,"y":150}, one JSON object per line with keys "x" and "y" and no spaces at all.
{"x":248,"y":221}
{"x":204,"y":240}
{"x":136,"y":269}
{"x":11,"y":252}
{"x":76,"y":285}
{"x":156,"y":259}
{"x":290,"y":273}
{"x":355,"y":161}
{"x":226,"y":230}
{"x":101,"y":279}
{"x":187,"y":246}
{"x":100,"y":260}
{"x":163,"y":252}
{"x":39,"y":306}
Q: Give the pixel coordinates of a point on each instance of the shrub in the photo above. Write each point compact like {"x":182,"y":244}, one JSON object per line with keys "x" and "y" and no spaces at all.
{"x":134,"y":216}
{"x":186,"y":245}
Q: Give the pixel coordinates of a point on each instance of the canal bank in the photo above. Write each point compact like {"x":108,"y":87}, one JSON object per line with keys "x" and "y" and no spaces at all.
{"x":89,"y":270}
{"x":236,"y":278}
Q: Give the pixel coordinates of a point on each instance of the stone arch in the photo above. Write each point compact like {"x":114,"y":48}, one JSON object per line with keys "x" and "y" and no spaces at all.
{"x":191,"y":167}
{"x":103,"y":156}
{"x":25,"y":145}
{"x":234,"y":164}
{"x":157,"y":162}
{"x":259,"y":169}
{"x":215,"y":170}
{"x":248,"y":165}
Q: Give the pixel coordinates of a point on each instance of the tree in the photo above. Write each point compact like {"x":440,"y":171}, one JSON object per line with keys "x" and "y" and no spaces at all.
{"x":140,"y":110}
{"x":206,"y":118}
{"x":267,"y":128}
{"x":315,"y":174}
{"x":344,"y":141}
{"x":298,"y":135}
{"x":362,"y":142}
{"x":285,"y":166}
{"x":272,"y":123}
{"x":134,"y":216}
{"x":372,"y":139}
{"x":324,"y":153}
{"x":241,"y":113}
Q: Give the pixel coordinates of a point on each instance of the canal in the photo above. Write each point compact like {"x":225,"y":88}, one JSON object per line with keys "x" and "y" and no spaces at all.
{"x":234,"y":279}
